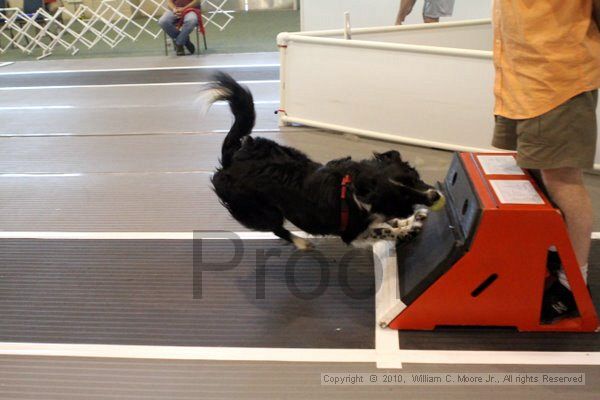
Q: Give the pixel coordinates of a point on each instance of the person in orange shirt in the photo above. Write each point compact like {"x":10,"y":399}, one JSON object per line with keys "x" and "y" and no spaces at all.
{"x":547,"y":60}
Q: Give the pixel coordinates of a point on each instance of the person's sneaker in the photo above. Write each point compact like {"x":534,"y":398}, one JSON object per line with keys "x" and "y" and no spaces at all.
{"x":553,"y":263}
{"x":558,"y":303}
{"x":179,"y":50}
{"x":190,"y":46}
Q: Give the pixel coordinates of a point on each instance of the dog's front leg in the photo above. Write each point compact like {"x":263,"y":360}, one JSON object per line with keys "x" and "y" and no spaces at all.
{"x":393,"y":229}
{"x":408,"y":228}
{"x":397,"y":228}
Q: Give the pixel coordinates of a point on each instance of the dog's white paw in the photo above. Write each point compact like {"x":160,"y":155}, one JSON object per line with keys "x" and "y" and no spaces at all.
{"x":302,"y":244}
{"x":408,"y":232}
{"x":407,"y":229}
{"x":399,"y":222}
{"x":415,"y":220}
{"x":421,"y":214}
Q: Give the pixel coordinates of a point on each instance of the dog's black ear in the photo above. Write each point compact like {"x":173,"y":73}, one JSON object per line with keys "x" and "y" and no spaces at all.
{"x":391,"y":155}
{"x":337,"y":162}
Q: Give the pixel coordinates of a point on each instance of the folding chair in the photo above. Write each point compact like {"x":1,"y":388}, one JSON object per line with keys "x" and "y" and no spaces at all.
{"x":201,"y":29}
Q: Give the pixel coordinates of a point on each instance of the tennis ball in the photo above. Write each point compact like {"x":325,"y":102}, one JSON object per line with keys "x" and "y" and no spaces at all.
{"x":438,"y":205}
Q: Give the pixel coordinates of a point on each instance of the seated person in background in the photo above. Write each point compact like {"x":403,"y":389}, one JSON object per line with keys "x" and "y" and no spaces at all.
{"x":52,"y":6}
{"x":179,"y":21}
{"x":432,"y":10}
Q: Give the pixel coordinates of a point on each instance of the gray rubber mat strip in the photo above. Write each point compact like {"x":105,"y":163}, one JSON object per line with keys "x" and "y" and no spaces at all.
{"x":178,"y":153}
{"x":147,"y":292}
{"x":54,"y":378}
{"x":134,"y":77}
{"x":50,"y":66}
{"x":495,"y":339}
{"x":169,"y":192}
{"x":109,"y":203}
{"x":126,"y":121}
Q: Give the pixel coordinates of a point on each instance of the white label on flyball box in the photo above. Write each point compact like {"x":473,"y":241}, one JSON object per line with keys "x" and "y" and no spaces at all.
{"x":516,"y":192}
{"x":500,"y":165}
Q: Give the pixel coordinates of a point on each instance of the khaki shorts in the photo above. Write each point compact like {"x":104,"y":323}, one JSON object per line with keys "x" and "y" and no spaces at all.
{"x":562,"y":137}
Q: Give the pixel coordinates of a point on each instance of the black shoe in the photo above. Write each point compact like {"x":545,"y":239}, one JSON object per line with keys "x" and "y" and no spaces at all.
{"x":558,"y":303}
{"x":179,"y":49}
{"x":190,"y":46}
{"x":553,"y":263}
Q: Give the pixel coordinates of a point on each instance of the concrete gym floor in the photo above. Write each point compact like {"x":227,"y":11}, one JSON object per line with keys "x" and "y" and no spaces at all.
{"x":90,"y":147}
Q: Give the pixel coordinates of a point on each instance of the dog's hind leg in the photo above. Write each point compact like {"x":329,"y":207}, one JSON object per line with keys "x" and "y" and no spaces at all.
{"x":265,"y":218}
{"x":299,"y":242}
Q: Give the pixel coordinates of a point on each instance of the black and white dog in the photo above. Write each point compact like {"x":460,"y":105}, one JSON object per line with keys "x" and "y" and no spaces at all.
{"x":263,"y":184}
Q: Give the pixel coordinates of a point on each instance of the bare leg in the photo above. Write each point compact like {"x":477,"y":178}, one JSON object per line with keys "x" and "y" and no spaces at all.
{"x":406,"y":7}
{"x":565,"y":186}
{"x":429,"y":20}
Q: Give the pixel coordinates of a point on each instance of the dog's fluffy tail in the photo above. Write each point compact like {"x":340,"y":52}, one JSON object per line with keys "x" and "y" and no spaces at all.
{"x":240,"y":100}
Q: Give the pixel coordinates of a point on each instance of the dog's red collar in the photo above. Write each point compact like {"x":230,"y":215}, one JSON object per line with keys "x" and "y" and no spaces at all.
{"x":344,"y":213}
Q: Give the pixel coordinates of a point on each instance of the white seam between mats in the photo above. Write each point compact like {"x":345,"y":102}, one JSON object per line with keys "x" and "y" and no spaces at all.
{"x":76,"y":71}
{"x":298,"y":355}
{"x":15,"y":88}
{"x":188,"y":353}
{"x":386,"y":340}
{"x":61,"y":134}
{"x":205,"y":234}
{"x":123,"y":106}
